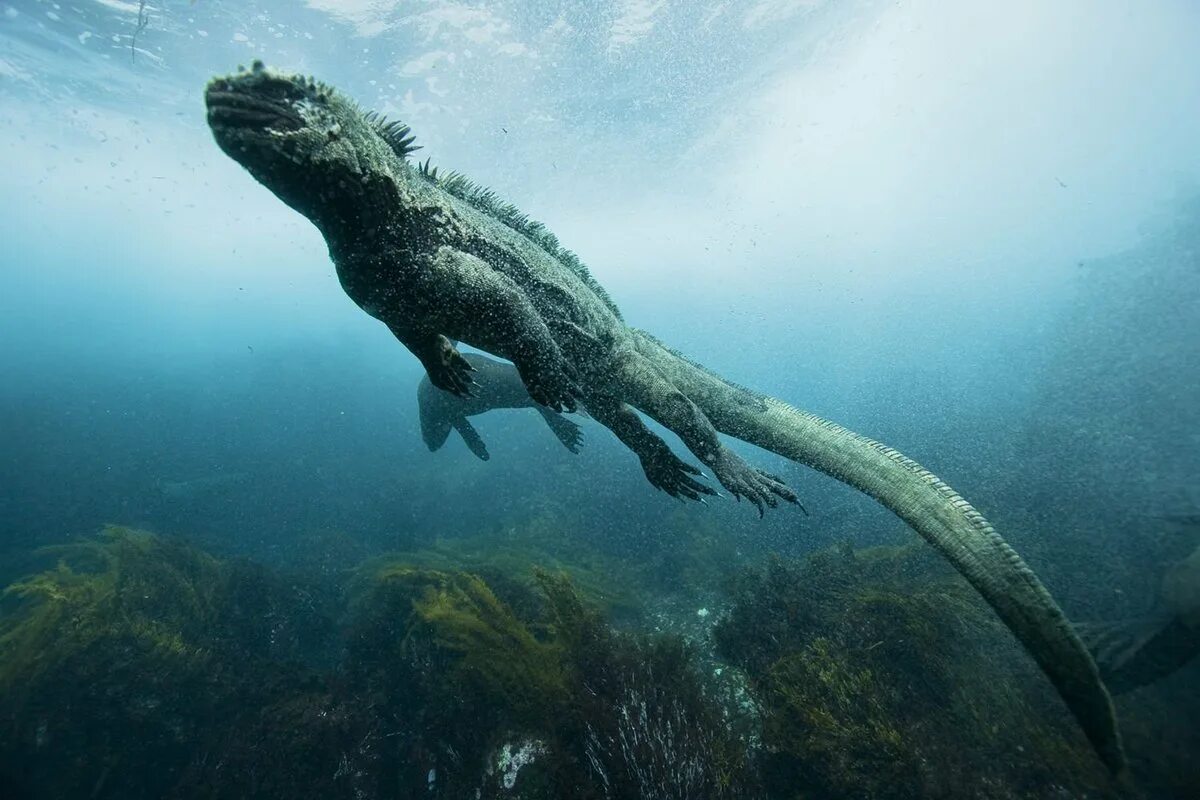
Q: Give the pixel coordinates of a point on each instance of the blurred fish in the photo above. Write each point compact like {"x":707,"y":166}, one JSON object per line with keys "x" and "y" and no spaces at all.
{"x":187,"y":490}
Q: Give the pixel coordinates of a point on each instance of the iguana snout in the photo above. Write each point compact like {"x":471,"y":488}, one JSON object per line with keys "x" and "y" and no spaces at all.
{"x":297,"y":136}
{"x":258,"y":101}
{"x":266,"y":107}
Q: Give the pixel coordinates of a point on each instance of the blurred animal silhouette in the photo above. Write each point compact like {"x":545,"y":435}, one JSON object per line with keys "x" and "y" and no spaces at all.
{"x":200,"y":486}
{"x":1137,"y":652}
{"x":499,"y":386}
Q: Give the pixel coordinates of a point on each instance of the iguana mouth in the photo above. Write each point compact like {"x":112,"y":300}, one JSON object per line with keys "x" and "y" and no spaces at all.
{"x":228,"y":107}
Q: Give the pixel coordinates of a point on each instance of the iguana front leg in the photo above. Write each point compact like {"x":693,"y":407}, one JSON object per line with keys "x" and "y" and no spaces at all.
{"x":663,"y":469}
{"x":456,"y":295}
{"x":645,"y":388}
{"x":448,"y":370}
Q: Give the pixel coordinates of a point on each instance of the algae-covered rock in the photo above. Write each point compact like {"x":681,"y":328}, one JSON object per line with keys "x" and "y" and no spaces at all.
{"x":449,"y":668}
{"x":837,"y":714}
{"x":506,"y":558}
{"x":131,"y":654}
{"x":308,"y":742}
{"x":554,"y":705}
{"x":135,"y":666}
{"x":641,"y":720}
{"x":880,"y":674}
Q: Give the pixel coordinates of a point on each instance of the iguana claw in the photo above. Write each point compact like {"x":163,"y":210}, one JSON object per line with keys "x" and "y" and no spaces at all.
{"x":551,"y":386}
{"x":758,"y":487}
{"x":447,"y":369}
{"x":668,"y":472}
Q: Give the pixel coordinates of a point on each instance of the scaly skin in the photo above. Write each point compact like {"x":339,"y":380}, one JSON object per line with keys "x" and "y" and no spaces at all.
{"x":497,"y":385}
{"x":438,"y":260}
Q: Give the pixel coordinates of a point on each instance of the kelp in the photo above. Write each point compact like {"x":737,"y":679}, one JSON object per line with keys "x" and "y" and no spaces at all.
{"x":687,"y":559}
{"x":641,"y":719}
{"x":436,"y":648}
{"x":128,"y":585}
{"x":838,"y":715}
{"x":506,"y":559}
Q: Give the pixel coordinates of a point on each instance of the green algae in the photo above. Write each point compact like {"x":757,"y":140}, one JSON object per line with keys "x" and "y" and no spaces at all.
{"x":443,"y":642}
{"x":640,"y":715}
{"x":435,"y":648}
{"x":881,"y":675}
{"x":134,"y":650}
{"x":507,"y":558}
{"x":687,"y":559}
{"x":138,"y":666}
{"x":838,"y":716}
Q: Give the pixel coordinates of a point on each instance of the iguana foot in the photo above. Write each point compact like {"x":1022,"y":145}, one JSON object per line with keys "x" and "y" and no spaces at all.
{"x":550,"y":384}
{"x":671,"y":474}
{"x":447,"y":368}
{"x":742,"y":480}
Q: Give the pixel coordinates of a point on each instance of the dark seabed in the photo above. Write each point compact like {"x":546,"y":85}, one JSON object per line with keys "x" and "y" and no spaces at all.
{"x":249,"y":554}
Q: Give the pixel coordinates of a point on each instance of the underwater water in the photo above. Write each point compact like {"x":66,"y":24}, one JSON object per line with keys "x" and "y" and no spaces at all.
{"x":254,"y":544}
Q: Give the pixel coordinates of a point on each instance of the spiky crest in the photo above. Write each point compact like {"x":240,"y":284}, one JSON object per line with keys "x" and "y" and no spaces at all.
{"x":428,"y":172}
{"x":397,"y":135}
{"x":400,"y":138}
{"x":484,"y":199}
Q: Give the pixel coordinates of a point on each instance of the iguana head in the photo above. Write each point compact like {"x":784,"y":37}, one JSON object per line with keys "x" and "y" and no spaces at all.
{"x":312,"y":147}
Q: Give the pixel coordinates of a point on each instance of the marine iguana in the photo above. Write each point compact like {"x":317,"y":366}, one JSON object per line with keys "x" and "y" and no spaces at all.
{"x":439,"y":259}
{"x":499,"y":386}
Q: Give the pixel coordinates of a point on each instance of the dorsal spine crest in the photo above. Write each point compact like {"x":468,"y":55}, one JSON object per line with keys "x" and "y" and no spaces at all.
{"x":399,"y":137}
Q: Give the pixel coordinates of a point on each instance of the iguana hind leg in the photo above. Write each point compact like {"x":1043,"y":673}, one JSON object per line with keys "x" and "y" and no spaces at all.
{"x":645,"y":388}
{"x":663,"y":469}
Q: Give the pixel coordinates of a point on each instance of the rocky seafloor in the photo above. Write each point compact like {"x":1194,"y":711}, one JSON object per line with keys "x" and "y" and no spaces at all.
{"x":134,"y":665}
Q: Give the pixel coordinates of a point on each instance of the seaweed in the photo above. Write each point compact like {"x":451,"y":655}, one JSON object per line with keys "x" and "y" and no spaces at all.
{"x":506,"y":560}
{"x":135,"y":650}
{"x":309,"y":742}
{"x":593,"y":711}
{"x":139,"y":666}
{"x":838,"y":715}
{"x":642,"y":721}
{"x":879,"y":674}
{"x":452,"y":620}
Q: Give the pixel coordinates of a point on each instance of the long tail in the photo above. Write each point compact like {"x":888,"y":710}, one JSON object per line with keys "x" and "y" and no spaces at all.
{"x":932,"y":509}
